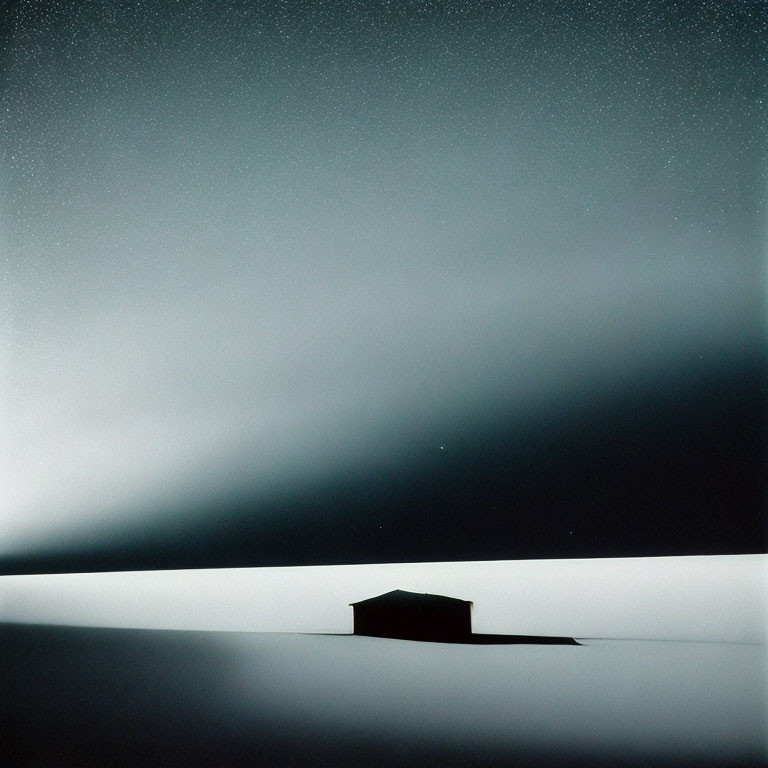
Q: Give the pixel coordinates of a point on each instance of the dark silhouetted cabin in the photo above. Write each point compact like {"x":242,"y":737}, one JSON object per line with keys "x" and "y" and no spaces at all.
{"x":414,"y":616}
{"x":418,"y":616}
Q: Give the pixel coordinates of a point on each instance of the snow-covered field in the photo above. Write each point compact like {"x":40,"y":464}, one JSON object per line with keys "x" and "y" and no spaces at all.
{"x":135,"y":697}
{"x":640,"y":701}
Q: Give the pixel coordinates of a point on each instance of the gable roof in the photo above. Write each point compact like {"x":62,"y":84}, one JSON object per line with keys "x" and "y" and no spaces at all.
{"x":401,"y":596}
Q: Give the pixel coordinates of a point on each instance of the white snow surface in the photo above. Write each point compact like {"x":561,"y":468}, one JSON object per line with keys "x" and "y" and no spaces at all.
{"x":617,"y":700}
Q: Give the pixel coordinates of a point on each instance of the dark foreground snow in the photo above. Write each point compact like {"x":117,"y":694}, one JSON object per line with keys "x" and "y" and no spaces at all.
{"x":103,"y":697}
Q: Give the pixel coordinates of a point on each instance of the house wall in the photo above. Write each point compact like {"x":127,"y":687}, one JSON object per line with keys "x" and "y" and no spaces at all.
{"x":414,"y":622}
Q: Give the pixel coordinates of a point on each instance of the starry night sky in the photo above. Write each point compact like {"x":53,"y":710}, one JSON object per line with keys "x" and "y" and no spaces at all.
{"x":380,"y":281}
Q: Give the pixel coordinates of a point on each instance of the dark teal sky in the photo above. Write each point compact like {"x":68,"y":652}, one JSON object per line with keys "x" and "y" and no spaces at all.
{"x":257,"y":254}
